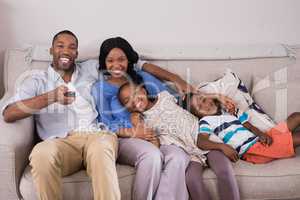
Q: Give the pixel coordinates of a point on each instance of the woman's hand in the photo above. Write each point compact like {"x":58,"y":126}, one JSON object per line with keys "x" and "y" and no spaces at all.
{"x":183,"y":87}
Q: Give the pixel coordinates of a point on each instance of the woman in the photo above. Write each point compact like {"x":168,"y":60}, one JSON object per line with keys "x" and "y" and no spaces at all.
{"x":155,"y":168}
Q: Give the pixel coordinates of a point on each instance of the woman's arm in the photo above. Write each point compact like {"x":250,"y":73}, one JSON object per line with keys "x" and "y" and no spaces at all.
{"x":162,"y":74}
{"x":204,"y":143}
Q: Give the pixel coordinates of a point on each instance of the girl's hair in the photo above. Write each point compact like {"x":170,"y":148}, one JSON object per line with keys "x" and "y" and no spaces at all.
{"x":186,"y":102}
{"x":131,"y":54}
{"x":128,"y":84}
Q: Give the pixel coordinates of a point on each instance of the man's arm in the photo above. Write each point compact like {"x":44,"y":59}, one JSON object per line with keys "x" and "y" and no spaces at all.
{"x":25,"y":108}
{"x":162,"y":74}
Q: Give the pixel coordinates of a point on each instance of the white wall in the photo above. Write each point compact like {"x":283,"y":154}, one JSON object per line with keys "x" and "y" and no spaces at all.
{"x":152,"y":22}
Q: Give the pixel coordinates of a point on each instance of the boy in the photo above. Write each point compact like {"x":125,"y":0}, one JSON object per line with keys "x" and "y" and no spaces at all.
{"x":240,"y":138}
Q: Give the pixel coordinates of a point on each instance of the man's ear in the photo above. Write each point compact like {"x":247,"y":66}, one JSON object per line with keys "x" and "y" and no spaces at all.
{"x":76,"y":54}
{"x":51,"y":51}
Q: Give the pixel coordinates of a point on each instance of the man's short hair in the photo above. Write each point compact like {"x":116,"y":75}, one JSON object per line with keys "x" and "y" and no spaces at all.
{"x":64,"y":32}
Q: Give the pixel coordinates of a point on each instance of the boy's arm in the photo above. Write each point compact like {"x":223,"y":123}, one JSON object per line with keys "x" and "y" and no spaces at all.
{"x":204,"y":143}
{"x":263,"y":138}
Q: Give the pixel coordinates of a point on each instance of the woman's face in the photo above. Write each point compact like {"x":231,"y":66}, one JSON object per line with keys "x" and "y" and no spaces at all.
{"x":116,"y":63}
{"x":203,"y":106}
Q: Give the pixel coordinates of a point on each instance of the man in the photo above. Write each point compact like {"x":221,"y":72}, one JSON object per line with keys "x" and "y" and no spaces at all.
{"x":59,"y":98}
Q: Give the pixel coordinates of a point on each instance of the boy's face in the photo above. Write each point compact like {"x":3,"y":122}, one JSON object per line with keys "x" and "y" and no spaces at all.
{"x":203,"y":106}
{"x":134,"y":98}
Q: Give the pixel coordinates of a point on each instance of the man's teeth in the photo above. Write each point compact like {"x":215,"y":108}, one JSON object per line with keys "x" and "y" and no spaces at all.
{"x":64,"y":60}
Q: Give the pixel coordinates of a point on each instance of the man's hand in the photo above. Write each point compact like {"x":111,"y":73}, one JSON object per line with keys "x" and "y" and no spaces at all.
{"x":230,"y":152}
{"x":60,"y":97}
{"x":265,"y":139}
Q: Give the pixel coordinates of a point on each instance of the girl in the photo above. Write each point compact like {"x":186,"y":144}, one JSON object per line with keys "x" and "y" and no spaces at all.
{"x":176,"y":126}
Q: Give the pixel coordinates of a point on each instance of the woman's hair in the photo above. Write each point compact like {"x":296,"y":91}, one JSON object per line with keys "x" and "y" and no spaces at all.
{"x":131,"y":54}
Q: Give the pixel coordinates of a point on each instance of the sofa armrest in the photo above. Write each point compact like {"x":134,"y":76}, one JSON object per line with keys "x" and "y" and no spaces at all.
{"x":16,"y":143}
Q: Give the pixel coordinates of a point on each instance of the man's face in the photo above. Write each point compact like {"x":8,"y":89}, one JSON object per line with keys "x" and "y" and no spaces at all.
{"x":64,"y":51}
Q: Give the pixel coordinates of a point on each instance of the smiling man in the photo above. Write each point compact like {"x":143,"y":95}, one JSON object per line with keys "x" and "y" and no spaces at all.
{"x":65,"y":121}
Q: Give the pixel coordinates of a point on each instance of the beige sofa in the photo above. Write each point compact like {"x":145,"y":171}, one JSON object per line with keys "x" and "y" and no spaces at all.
{"x":276,"y":180}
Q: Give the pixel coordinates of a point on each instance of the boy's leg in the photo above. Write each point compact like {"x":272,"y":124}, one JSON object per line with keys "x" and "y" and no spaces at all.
{"x":100,"y":154}
{"x":147,"y":160}
{"x":293,"y":121}
{"x":52,"y":159}
{"x":194,"y":182}
{"x":172,"y":185}
{"x":222,"y":167}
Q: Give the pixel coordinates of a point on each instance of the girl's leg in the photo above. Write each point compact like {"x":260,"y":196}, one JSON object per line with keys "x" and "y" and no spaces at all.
{"x":147,"y":160}
{"x":222,"y":167}
{"x":194,"y":182}
{"x":172,"y":184}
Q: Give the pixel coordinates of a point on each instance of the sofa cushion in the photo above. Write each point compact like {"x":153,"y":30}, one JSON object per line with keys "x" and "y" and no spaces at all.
{"x":78,"y":185}
{"x":275,"y":180}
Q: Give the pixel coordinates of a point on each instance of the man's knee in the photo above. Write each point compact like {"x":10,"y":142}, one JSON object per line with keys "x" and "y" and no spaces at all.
{"x":103,"y":146}
{"x":44,"y":155}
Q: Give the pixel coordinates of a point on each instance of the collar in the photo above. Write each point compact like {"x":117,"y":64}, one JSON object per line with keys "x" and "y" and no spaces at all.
{"x":55,"y":76}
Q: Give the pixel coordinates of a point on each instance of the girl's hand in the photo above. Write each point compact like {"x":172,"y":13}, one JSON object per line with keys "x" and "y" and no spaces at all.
{"x":265,"y":139}
{"x":230,"y":152}
{"x":144,"y":133}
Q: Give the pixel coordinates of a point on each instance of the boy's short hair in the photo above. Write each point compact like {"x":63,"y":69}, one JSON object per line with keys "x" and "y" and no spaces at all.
{"x":64,"y":32}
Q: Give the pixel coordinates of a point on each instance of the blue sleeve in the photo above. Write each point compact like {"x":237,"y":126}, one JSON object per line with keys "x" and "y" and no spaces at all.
{"x":154,"y":85}
{"x":204,"y":127}
{"x":244,"y":117}
{"x":105,"y":106}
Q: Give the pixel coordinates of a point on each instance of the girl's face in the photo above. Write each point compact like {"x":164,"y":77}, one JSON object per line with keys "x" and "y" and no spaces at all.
{"x":134,"y":98}
{"x":203,"y":106}
{"x":116,"y":63}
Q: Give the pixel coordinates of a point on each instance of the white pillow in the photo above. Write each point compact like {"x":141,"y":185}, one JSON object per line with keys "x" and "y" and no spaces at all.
{"x":278,"y":98}
{"x":231,"y":85}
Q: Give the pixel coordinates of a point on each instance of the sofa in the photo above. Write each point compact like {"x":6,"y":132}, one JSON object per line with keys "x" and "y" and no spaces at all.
{"x":279,"y":179}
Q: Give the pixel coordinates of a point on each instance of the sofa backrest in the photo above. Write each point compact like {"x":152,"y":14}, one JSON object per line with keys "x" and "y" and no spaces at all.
{"x":193,"y":70}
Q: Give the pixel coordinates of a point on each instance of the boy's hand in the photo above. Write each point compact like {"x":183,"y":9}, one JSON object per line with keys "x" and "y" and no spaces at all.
{"x":228,"y":103}
{"x":230,"y":152}
{"x":265,"y":139}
